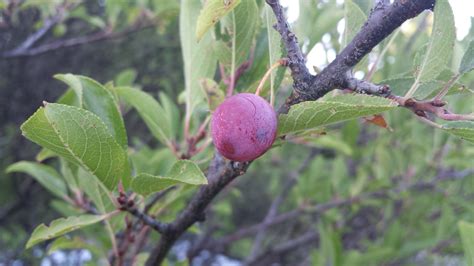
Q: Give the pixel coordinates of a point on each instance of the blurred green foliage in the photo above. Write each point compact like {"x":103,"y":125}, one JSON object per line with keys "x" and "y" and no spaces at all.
{"x":372,"y":195}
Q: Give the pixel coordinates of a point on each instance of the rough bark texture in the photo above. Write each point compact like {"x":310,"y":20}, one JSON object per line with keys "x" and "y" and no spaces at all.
{"x":220,"y":173}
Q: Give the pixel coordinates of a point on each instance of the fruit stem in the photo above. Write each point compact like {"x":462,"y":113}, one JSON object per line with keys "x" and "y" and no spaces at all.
{"x":281,"y":62}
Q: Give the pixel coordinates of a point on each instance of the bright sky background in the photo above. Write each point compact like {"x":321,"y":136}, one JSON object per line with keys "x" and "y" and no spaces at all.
{"x":463,"y":11}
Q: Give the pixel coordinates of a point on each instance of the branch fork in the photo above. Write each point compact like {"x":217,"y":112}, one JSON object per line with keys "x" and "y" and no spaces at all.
{"x":384,"y":19}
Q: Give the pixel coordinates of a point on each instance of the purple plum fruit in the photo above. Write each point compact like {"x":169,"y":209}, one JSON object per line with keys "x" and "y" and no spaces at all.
{"x":243,"y":127}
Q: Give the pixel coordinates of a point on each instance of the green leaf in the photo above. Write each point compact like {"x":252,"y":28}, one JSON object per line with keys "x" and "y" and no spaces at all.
{"x":97,"y":99}
{"x":187,"y":171}
{"x":330,"y":248}
{"x":440,"y":47}
{"x":233,"y":48}
{"x":260,"y":65}
{"x":62,"y":226}
{"x":146,"y":184}
{"x":45,"y":175}
{"x":462,"y":129}
{"x":150,"y":110}
{"x":399,"y":86}
{"x":214,"y":94}
{"x":211,"y":13}
{"x":467,"y":62}
{"x":325,"y":17}
{"x":467,"y":236}
{"x":223,"y":54}
{"x":155,"y":162}
{"x":364,"y":5}
{"x":246,"y":17}
{"x":354,"y":18}
{"x":44,"y":154}
{"x":68,"y":171}
{"x":329,"y":110}
{"x":75,"y":243}
{"x":334,"y":143}
{"x":81,"y":138}
{"x":65,"y":208}
{"x":94,"y":191}
{"x":69,"y":97}
{"x":126,"y":77}
{"x":274,"y":47}
{"x":182,"y":172}
{"x":172,"y":114}
{"x":199,"y":58}
{"x":375,"y":256}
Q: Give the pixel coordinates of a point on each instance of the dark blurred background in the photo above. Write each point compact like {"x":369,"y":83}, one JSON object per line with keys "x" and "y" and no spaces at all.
{"x":137,"y":43}
{"x":149,"y":53}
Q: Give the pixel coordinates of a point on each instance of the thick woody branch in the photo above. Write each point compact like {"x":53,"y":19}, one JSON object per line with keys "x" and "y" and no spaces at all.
{"x":220,"y":173}
{"x":383,"y":20}
{"x":299,"y":72}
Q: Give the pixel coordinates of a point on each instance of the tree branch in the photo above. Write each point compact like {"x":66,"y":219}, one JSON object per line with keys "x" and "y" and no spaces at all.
{"x":48,"y":24}
{"x":299,"y":72}
{"x":146,"y":219}
{"x":106,"y":34}
{"x":383,"y":20}
{"x":220,"y":173}
{"x":434,"y":107}
{"x":364,"y":87}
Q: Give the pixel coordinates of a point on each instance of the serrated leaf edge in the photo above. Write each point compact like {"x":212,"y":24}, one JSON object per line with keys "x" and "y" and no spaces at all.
{"x":42,"y":226}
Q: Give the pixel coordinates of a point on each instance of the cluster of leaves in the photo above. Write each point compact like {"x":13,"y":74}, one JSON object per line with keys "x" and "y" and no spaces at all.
{"x":85,"y":131}
{"x":84,"y":135}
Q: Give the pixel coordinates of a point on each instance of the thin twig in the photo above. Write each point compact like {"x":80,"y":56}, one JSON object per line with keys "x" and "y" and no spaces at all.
{"x":421,"y":109}
{"x":106,"y":34}
{"x":446,"y":88}
{"x":48,"y":24}
{"x":281,"y":62}
{"x":129,"y":206}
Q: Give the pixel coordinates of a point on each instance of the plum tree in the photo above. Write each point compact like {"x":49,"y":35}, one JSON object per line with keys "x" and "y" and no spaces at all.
{"x":243,"y":127}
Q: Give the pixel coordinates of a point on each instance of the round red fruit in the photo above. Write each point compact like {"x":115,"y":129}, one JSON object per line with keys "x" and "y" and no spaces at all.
{"x":243,"y":127}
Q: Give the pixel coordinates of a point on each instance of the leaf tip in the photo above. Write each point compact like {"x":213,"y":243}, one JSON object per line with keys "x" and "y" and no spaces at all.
{"x":198,"y":36}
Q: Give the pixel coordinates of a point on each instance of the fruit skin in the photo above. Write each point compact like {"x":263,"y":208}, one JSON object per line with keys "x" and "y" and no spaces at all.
{"x":243,"y":127}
